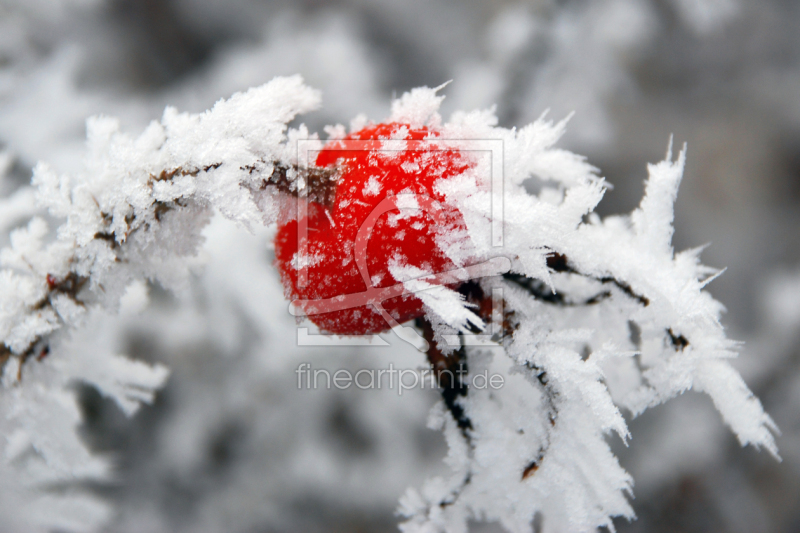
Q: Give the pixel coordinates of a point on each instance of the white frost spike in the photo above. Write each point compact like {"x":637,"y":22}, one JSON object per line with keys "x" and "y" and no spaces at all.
{"x":129,"y":383}
{"x":445,"y":302}
{"x":419,"y":107}
{"x":741,"y":410}
{"x":652,"y":221}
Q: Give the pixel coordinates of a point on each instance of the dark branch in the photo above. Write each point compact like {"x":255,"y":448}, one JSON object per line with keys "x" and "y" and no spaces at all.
{"x":679,"y":342}
{"x":449,"y":370}
{"x":72,"y":284}
{"x":320,"y":182}
{"x":560,"y":263}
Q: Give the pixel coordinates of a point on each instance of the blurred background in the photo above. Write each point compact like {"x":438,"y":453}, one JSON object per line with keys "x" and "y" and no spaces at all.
{"x":231,"y":444}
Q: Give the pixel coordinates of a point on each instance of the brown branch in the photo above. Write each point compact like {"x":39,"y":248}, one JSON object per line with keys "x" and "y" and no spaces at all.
{"x":679,"y":342}
{"x":449,"y":371}
{"x":167,"y":175}
{"x":72,"y":284}
{"x":484,"y":307}
{"x":560,"y":263}
{"x":320,"y":182}
{"x":5,"y":355}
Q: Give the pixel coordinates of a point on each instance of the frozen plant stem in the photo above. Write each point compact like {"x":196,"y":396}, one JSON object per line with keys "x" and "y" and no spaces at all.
{"x":576,"y":288}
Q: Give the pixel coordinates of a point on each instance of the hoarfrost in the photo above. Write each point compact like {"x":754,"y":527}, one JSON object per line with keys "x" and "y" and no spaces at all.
{"x":577,"y":284}
{"x":135,"y":213}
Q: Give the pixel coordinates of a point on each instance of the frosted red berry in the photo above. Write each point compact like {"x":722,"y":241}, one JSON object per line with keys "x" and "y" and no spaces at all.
{"x":367,"y":175}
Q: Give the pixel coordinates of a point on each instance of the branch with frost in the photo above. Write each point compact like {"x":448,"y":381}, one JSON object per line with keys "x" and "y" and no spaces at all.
{"x":139,"y":210}
{"x":597,"y":315}
{"x":136,"y":213}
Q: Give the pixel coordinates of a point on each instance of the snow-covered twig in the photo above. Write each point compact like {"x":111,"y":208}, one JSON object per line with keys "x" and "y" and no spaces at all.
{"x":597,"y":315}
{"x":136,"y":213}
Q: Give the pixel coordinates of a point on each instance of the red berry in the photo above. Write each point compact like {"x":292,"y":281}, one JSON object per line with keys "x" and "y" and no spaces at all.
{"x":368,"y":175}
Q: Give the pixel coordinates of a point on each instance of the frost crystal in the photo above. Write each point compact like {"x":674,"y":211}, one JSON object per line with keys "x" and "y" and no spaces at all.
{"x":578,"y":286}
{"x":592,"y":316}
{"x":136,"y":213}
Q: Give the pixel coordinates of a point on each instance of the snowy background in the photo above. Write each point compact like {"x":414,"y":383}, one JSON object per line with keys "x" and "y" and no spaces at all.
{"x":230,"y":444}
